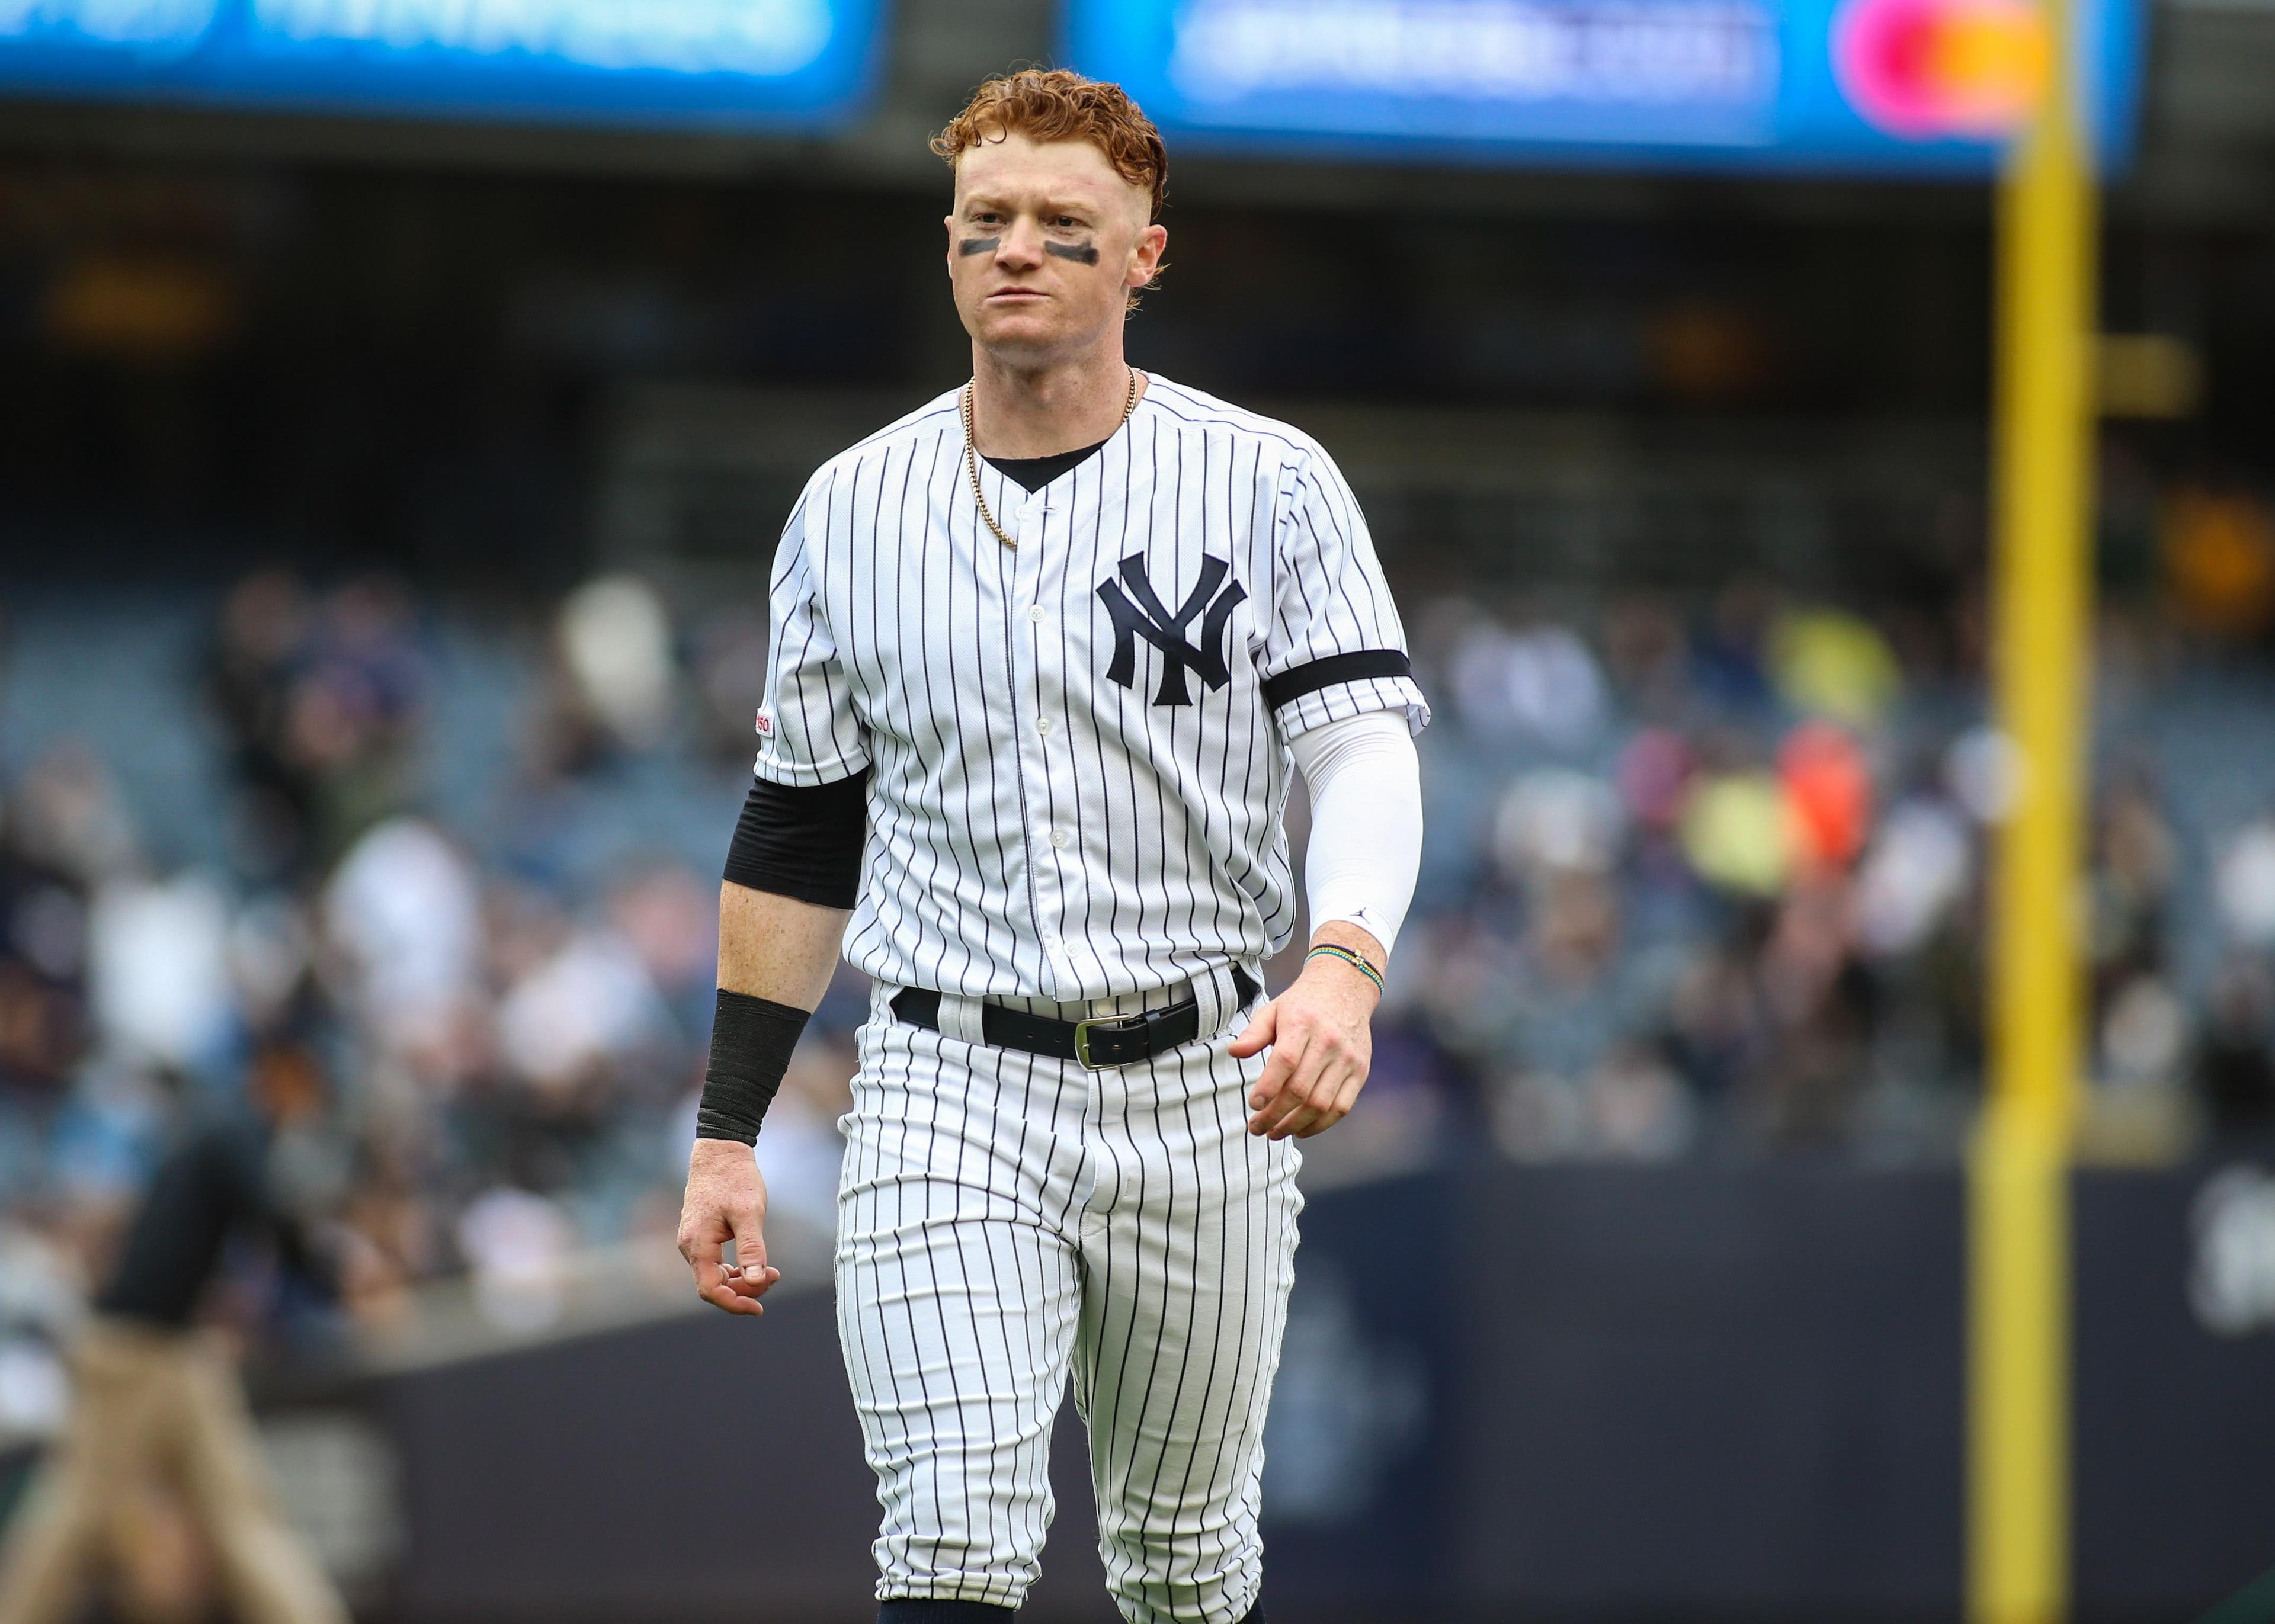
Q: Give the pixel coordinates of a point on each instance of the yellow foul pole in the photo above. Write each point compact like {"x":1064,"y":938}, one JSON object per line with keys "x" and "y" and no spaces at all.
{"x":2019,"y":1311}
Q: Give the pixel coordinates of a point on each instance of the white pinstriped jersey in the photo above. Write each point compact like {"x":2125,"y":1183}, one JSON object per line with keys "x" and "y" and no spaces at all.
{"x":1078,"y":746}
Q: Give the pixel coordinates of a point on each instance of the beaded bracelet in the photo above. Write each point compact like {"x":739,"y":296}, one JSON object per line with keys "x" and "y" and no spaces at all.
{"x":1336,"y":950}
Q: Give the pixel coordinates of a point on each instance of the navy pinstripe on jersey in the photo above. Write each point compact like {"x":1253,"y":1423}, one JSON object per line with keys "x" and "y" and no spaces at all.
{"x":1078,"y":744}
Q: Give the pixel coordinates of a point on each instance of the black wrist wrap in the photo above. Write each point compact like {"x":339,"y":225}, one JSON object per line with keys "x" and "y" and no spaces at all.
{"x":750,"y":1044}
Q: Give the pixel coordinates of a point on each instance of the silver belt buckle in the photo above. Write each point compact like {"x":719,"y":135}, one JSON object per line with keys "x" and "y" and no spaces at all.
{"x":1113,"y":1022}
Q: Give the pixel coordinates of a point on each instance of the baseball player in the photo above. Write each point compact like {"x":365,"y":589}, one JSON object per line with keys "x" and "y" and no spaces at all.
{"x":1045,"y":654}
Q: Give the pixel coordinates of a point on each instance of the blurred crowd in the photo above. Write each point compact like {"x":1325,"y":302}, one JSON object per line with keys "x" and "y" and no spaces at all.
{"x":1704,"y":880}
{"x":508,"y":1035}
{"x":1712,"y":884}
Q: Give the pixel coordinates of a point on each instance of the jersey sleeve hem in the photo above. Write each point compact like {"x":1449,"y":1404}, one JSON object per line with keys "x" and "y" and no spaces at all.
{"x":1339,"y":700}
{"x":808,"y":774}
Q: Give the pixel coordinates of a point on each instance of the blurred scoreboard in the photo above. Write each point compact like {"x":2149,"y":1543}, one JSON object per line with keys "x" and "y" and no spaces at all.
{"x":1898,"y":85}
{"x":710,"y":63}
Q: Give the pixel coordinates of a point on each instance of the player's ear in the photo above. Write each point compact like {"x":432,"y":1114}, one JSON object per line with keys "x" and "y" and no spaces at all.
{"x":1146,"y":258}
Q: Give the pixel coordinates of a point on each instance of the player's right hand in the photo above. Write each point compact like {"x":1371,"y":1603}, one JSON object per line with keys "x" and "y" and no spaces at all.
{"x":726,"y":1201}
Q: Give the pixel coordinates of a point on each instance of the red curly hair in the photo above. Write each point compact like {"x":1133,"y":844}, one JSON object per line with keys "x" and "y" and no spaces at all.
{"x":1055,"y":104}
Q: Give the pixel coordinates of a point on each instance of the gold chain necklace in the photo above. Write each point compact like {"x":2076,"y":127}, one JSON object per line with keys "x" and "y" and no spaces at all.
{"x":971,"y":452}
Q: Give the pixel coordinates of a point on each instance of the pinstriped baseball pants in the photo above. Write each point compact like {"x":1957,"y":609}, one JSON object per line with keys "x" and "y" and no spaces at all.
{"x":1008,"y":1222}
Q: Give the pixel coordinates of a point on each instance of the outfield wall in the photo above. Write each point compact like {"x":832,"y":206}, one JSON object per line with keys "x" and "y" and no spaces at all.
{"x":1572,"y":1392}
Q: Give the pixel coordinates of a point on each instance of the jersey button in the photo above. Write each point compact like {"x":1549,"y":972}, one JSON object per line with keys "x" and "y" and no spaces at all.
{"x":1059,"y":839}
{"x":1043,"y":727}
{"x":1034,"y":611}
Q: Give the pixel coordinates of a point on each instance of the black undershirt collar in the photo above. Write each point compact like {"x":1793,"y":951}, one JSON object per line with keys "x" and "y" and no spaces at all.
{"x":1034,"y":472}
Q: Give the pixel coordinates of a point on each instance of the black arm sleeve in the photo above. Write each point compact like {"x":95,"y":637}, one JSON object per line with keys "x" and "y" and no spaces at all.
{"x":803,"y":843}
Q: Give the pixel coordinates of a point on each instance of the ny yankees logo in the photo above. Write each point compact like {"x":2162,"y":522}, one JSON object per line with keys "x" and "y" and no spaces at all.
{"x":1148,"y":618}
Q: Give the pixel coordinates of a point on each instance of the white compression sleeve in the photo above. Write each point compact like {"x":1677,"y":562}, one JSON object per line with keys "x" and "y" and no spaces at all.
{"x":1366,"y":821}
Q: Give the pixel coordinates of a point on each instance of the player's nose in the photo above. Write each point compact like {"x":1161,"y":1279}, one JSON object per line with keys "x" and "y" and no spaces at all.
{"x":1023,"y":244}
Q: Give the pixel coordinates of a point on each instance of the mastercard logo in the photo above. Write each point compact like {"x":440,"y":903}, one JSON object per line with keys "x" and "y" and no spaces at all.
{"x":1923,"y":69}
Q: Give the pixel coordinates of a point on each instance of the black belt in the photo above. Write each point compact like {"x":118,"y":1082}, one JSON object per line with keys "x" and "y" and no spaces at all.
{"x":1097,"y":1043}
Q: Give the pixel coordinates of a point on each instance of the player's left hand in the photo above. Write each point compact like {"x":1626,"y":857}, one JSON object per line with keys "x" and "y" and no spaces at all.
{"x":1320,"y":1042}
